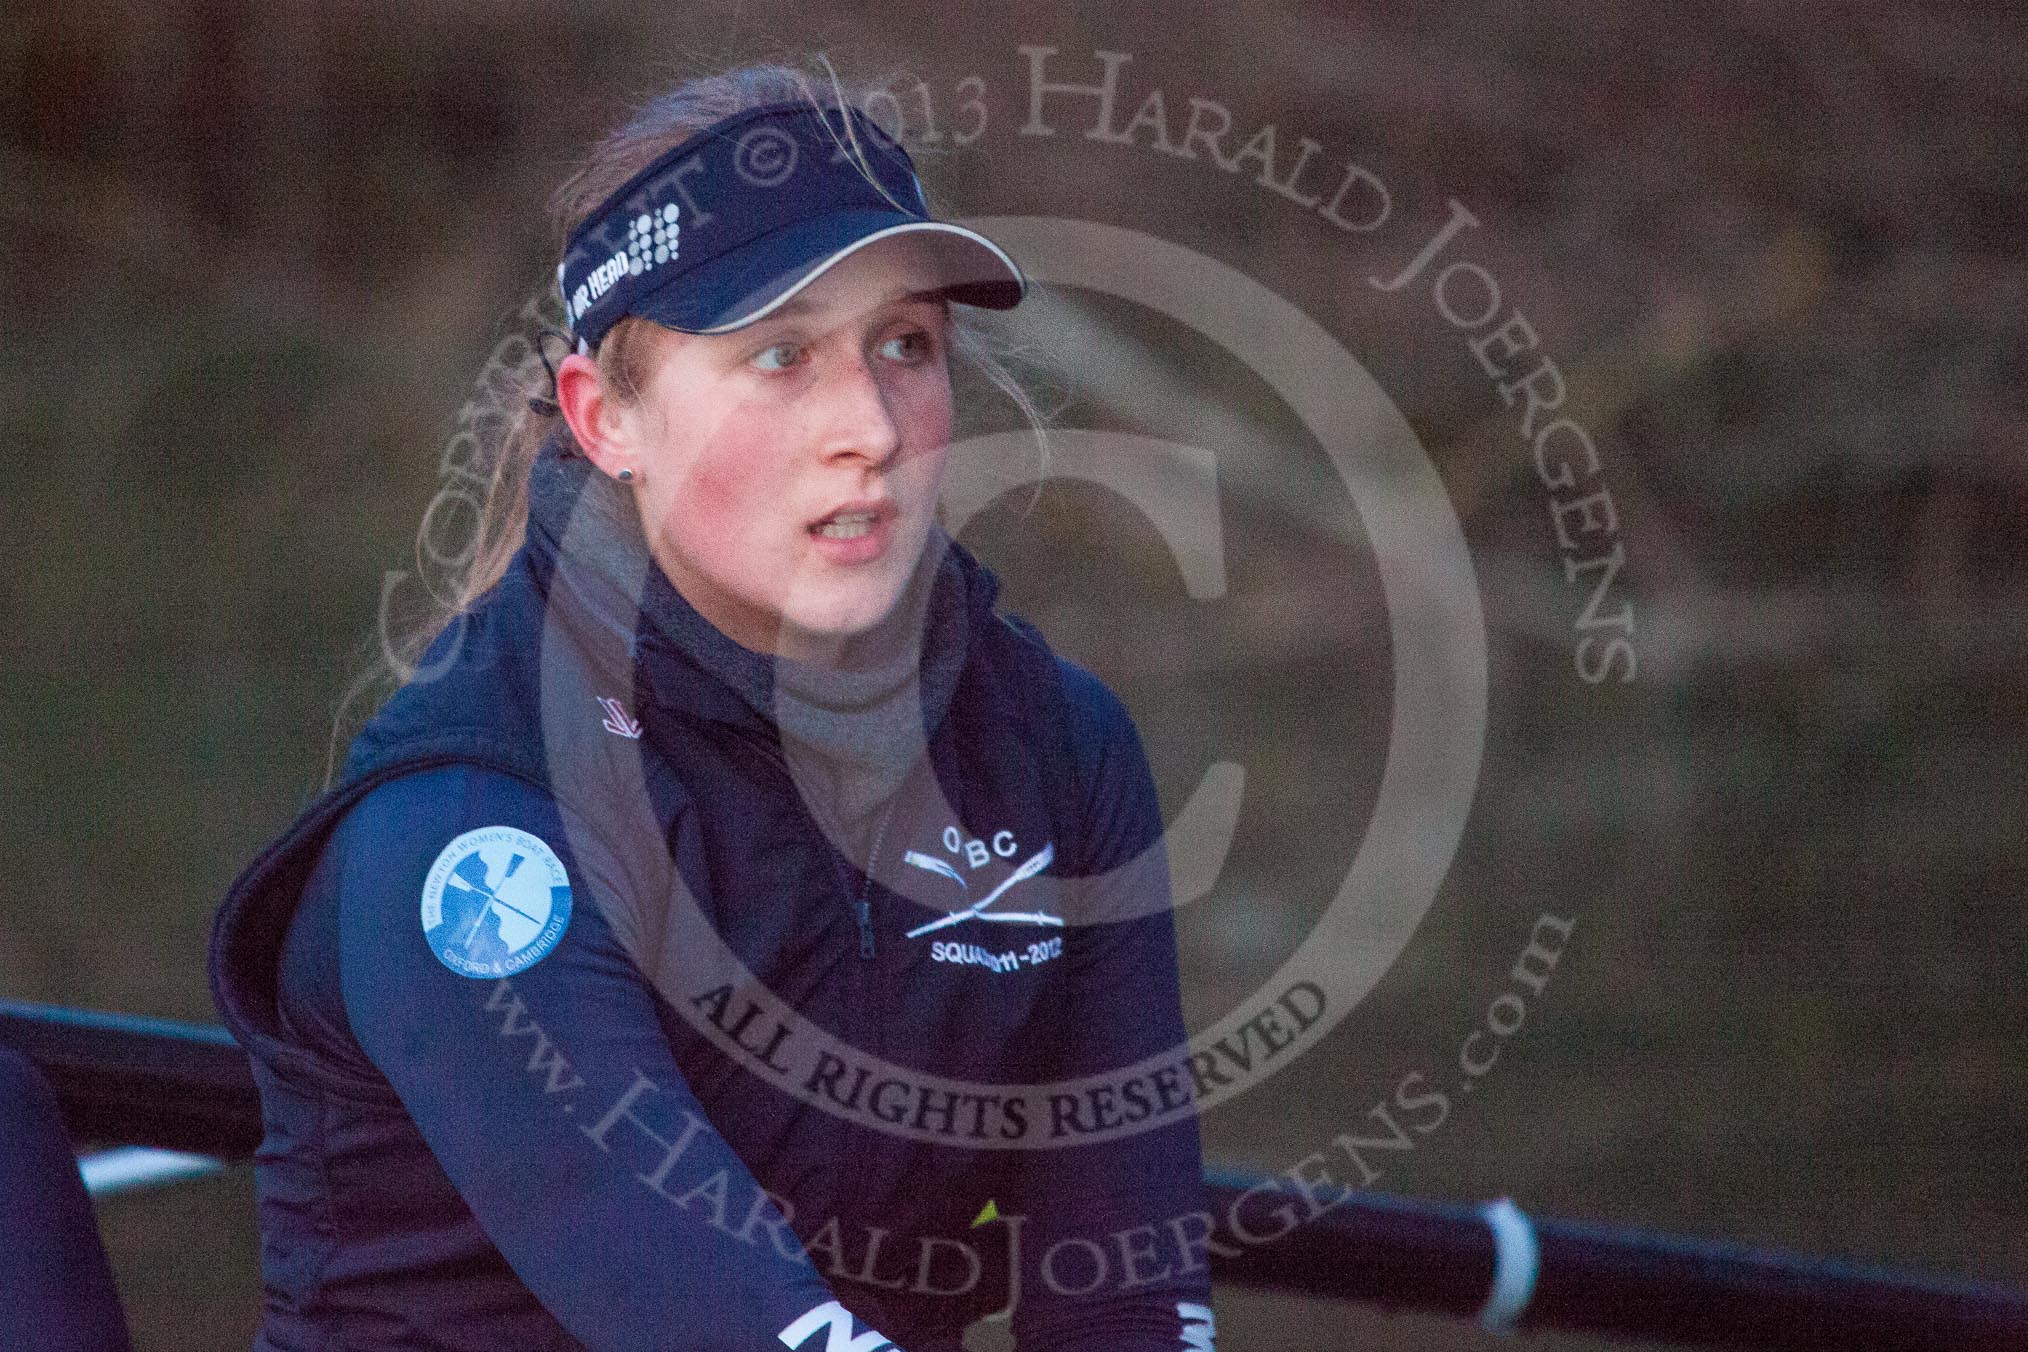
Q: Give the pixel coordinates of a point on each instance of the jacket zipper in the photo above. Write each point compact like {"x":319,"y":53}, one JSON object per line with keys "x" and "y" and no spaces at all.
{"x":865,"y":907}
{"x":862,"y":908}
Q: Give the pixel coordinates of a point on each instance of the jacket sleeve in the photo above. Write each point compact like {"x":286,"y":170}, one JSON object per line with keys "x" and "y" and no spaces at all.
{"x":544,"y":1083}
{"x":1118,"y":1215}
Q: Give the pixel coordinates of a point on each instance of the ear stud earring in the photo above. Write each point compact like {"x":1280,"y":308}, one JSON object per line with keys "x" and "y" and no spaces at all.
{"x":625,"y":476}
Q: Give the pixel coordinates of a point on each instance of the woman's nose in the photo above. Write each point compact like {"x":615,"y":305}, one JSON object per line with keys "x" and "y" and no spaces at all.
{"x":857,"y":418}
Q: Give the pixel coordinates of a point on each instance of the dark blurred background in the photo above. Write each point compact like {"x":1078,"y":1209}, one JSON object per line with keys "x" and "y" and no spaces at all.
{"x":256,"y":255}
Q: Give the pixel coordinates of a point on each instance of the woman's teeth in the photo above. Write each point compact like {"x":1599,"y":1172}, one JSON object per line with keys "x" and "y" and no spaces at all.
{"x":847,"y":526}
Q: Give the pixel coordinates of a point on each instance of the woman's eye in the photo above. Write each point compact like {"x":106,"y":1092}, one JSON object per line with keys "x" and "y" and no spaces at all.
{"x":777,"y":356}
{"x":921,"y":346}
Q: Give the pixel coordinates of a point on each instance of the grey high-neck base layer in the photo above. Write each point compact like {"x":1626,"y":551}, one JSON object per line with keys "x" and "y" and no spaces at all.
{"x":853,"y":717}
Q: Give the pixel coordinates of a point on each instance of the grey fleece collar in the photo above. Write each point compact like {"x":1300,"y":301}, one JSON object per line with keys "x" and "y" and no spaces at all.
{"x":853,"y":724}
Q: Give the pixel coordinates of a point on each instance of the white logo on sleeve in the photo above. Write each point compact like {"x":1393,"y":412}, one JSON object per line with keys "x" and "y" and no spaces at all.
{"x":837,"y":1320}
{"x":495,"y":902}
{"x":1198,"y":1328}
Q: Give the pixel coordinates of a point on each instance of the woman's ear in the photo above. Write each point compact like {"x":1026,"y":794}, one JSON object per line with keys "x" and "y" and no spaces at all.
{"x":604,"y":427}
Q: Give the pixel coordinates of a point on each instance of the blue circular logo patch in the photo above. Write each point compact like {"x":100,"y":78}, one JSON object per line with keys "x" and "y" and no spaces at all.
{"x":495,"y":902}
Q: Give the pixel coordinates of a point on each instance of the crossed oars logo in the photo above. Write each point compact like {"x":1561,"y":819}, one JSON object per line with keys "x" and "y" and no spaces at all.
{"x":1028,"y":870}
{"x":462,"y":876}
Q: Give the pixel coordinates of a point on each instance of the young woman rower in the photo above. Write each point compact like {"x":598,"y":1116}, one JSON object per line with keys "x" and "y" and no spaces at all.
{"x":738,"y":932}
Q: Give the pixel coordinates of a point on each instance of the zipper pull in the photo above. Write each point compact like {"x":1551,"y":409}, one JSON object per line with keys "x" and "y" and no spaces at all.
{"x":864,"y":910}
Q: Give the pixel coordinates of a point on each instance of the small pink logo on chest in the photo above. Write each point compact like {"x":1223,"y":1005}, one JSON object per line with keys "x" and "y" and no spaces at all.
{"x":618,"y":720}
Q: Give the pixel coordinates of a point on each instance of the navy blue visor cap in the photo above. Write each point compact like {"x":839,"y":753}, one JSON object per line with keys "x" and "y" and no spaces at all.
{"x":727,"y":227}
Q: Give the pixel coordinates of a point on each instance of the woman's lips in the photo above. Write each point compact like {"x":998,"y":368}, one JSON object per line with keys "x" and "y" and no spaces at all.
{"x":854,"y":536}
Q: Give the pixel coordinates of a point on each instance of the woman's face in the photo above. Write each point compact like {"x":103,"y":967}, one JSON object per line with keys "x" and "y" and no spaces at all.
{"x":787,"y":473}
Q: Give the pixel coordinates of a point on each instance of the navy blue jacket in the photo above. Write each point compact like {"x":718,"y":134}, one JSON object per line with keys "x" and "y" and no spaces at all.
{"x":573,"y":1029}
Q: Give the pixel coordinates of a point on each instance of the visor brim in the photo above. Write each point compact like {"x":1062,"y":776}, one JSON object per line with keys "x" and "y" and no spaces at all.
{"x":753,"y":281}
